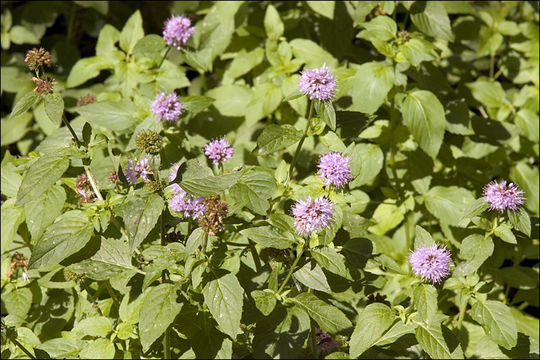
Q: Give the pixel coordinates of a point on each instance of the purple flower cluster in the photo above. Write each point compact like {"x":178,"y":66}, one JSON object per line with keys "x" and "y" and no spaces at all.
{"x":431,"y":263}
{"x":334,"y":169}
{"x":503,"y":196}
{"x":312,"y":215}
{"x":167,"y":107}
{"x":318,"y":84}
{"x":219,"y":151}
{"x":181,"y":201}
{"x":177,"y":30}
{"x":141,"y":169}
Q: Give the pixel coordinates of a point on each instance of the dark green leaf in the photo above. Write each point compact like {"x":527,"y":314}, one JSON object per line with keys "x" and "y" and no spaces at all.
{"x":264,"y":300}
{"x":431,"y":18}
{"x":117,"y":116}
{"x":425,"y":301}
{"x":24,"y":104}
{"x":328,"y":317}
{"x":140,"y":216}
{"x":270,"y":237}
{"x":54,"y":107}
{"x":520,"y":220}
{"x":371,"y":324}
{"x":277,"y":137}
{"x":497,"y":321}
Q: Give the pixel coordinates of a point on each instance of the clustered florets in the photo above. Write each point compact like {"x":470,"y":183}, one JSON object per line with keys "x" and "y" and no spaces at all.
{"x":148,"y":141}
{"x":312,"y":215}
{"x":141,"y":169}
{"x":189,"y":205}
{"x":84,"y":188}
{"x":215,"y":211}
{"x":334,"y":169}
{"x":431,"y":263}
{"x":325,"y":343}
{"x":503,"y":196}
{"x":43,"y":86}
{"x":167,"y":107}
{"x":86,"y":100}
{"x":318,"y":84}
{"x":18,"y":261}
{"x":177,"y":30}
{"x":219,"y":151}
{"x":36,"y":58}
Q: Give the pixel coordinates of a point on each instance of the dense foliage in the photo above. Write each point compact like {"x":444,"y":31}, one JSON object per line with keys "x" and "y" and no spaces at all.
{"x":270,"y":179}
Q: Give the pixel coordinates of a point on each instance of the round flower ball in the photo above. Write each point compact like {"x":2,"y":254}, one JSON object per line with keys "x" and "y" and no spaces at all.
{"x":219,"y":151}
{"x":503,"y":196}
{"x":177,"y":30}
{"x":312,"y":215}
{"x":167,"y":107}
{"x":334,"y":169}
{"x":318,"y":84}
{"x":431,"y":263}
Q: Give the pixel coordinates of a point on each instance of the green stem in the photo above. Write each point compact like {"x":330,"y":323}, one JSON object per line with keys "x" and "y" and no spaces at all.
{"x":71,"y":21}
{"x":393,"y":121}
{"x":164,"y":57}
{"x":119,"y":226}
{"x":77,"y":141}
{"x":92,"y":182}
{"x":21,"y":346}
{"x":205,"y":240}
{"x":491,"y":65}
{"x":166,"y":347}
{"x":461,"y":315}
{"x":293,"y":266}
{"x":111,"y":291}
{"x":313,"y":340}
{"x":96,"y":306}
{"x":256,"y":258}
{"x":299,"y":147}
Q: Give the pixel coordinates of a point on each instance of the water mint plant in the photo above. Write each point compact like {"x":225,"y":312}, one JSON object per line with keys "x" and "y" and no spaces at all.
{"x":294,"y":179}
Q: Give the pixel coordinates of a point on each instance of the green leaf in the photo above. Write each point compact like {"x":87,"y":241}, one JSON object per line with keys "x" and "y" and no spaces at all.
{"x":269,"y":237}
{"x":382,"y":28}
{"x":41,"y":176}
{"x":54,"y":107}
{"x":61,"y":348}
{"x":197,"y":104}
{"x":423,"y":238}
{"x":425,"y":301}
{"x":69,"y":233}
{"x":149,"y":46}
{"x":331,"y":260}
{"x":24,"y":104}
{"x":132,"y":32}
{"x":272,"y":23}
{"x":158,"y":311}
{"x":313,"y":277}
{"x":94,"y":326}
{"x":277,"y":137}
{"x":432,"y":340}
{"x":448,"y":204}
{"x":224,"y":298}
{"x":475,"y":208}
{"x":328,"y":317}
{"x":117,"y":116}
{"x":210,"y":185}
{"x":15,"y":128}
{"x":520,"y":220}
{"x":504,"y":232}
{"x":108,"y":36}
{"x":488,"y":92}
{"x":371,"y":324}
{"x":254,"y":189}
{"x":231,"y":100}
{"x":475,"y":249}
{"x":497,"y":321}
{"x":18,"y":302}
{"x":528,"y":122}
{"x":86,"y":69}
{"x":113,"y":257}
{"x":140,"y":216}
{"x":416,"y":51}
{"x":264,"y":300}
{"x":43,"y":211}
{"x":387,"y":217}
{"x":527,"y":178}
{"x":366,"y":163}
{"x":99,"y":348}
{"x":377,"y":79}
{"x":431,"y":18}
{"x":324,"y":8}
{"x":12,"y":217}
{"x":326,"y":112}
{"x":242,"y":64}
{"x":312,"y":54}
{"x":423,"y":114}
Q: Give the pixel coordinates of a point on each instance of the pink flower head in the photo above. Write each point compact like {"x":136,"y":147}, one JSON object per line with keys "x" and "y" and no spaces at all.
{"x":167,"y":107}
{"x":334,"y":169}
{"x":141,"y":169}
{"x":318,"y":84}
{"x":190,"y":205}
{"x":177,"y":30}
{"x":312,"y":215}
{"x":431,"y":263}
{"x":219,"y":151}
{"x":503,"y":196}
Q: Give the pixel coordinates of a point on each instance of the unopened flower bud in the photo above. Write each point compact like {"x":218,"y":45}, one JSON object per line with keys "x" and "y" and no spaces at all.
{"x":36,"y":58}
{"x":215,"y":211}
{"x":148,"y":141}
{"x":86,"y":100}
{"x":43,"y":86}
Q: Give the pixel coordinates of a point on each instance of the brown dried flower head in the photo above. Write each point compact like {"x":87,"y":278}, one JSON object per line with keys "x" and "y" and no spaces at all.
{"x":215,"y":211}
{"x":18,"y":261}
{"x":43,"y":86}
{"x":36,"y":58}
{"x":113,"y":177}
{"x":86,"y":100}
{"x":84,"y":188}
